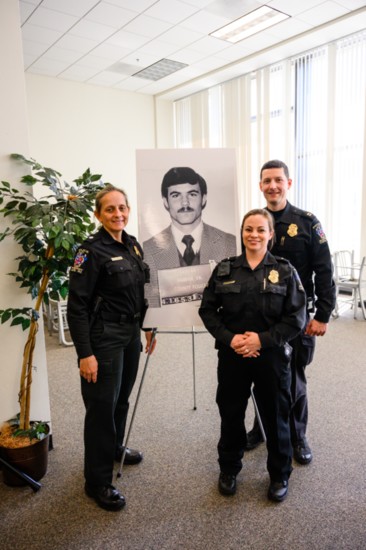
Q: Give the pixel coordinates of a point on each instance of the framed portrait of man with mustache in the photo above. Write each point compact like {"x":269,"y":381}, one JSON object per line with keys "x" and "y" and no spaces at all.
{"x":182,"y":246}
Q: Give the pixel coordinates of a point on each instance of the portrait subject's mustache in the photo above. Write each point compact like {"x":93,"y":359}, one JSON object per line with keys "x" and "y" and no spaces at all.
{"x":185,"y":209}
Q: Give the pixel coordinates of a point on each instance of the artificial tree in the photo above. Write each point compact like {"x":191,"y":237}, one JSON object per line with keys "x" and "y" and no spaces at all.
{"x":48,"y":229}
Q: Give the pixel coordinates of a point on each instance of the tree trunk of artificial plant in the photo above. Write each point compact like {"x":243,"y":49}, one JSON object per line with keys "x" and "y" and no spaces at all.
{"x":26,"y":375}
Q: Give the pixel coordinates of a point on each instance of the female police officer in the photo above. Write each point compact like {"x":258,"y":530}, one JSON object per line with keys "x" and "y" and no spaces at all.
{"x":253,"y":305}
{"x":105,"y":311}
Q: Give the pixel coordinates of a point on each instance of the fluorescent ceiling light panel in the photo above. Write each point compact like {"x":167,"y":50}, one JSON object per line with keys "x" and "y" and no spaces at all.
{"x":160,"y":69}
{"x":249,"y":24}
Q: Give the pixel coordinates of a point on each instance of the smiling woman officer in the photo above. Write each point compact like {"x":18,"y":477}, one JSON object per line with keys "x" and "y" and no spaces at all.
{"x":106,"y":306}
{"x":253,"y":305}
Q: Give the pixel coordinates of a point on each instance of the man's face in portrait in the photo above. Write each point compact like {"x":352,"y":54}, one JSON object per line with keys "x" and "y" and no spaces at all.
{"x":185,"y":203}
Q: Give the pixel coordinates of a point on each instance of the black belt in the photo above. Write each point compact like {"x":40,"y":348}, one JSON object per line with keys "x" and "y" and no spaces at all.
{"x":116,"y":318}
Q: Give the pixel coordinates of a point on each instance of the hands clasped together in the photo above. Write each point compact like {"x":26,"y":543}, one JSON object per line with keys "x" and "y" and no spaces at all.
{"x":247,"y":344}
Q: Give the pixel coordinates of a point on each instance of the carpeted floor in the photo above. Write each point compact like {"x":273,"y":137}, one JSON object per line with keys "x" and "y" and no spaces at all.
{"x":172,"y":497}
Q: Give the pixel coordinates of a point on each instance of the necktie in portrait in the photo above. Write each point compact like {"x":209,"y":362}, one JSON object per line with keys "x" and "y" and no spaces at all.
{"x":189,"y":254}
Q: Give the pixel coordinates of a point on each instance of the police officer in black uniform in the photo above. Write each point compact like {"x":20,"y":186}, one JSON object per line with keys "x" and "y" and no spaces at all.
{"x":253,"y":305}
{"x":106,"y":306}
{"x":301,"y":239}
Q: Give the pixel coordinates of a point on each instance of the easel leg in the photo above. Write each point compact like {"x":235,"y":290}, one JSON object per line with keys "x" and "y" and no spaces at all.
{"x":119,"y":473}
{"x":258,"y":415}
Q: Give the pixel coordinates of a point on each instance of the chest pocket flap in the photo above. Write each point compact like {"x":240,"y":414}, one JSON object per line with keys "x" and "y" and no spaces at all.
{"x":118,"y":266}
{"x":275,"y":289}
{"x":227,"y":287}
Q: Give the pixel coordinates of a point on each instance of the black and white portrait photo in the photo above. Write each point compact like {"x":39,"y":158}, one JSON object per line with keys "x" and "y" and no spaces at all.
{"x":187,"y":224}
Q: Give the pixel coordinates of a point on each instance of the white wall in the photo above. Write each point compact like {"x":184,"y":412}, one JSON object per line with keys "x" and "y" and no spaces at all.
{"x":74,"y":126}
{"x":14,"y":137}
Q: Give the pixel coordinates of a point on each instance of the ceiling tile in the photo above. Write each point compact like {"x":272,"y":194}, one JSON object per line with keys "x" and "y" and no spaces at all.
{"x":204,"y":22}
{"x":110,"y":52}
{"x":293,"y":7}
{"x":26,"y":9}
{"x":322,"y":13}
{"x":94,"y":31}
{"x":49,"y":66}
{"x":181,"y":36}
{"x":172,"y":11}
{"x":77,"y":43}
{"x":40,"y":34}
{"x":108,"y":14}
{"x":72,"y":7}
{"x":137,"y":5}
{"x":147,"y":26}
{"x":51,"y":19}
{"x":127,"y":40}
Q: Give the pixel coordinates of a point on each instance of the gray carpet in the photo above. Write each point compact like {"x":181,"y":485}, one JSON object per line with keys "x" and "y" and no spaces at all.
{"x":172,"y":498}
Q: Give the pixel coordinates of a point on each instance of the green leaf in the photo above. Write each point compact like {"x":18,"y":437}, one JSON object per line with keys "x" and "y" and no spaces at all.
{"x":5,"y":316}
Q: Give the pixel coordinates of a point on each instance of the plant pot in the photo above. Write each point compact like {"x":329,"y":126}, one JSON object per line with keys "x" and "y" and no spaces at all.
{"x":32,"y":460}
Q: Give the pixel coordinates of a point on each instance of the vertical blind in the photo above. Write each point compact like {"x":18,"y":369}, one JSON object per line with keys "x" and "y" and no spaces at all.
{"x":308,"y":111}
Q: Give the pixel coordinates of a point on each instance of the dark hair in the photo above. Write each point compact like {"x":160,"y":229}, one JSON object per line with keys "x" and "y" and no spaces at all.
{"x":275,"y":164}
{"x":103,"y":192}
{"x":182,"y":174}
{"x":266,"y":214}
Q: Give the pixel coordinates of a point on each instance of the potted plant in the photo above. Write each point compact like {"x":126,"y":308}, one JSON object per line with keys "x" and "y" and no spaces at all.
{"x":48,"y":230}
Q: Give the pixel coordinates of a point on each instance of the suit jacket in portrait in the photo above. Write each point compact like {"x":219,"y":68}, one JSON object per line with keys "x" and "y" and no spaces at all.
{"x":160,"y":252}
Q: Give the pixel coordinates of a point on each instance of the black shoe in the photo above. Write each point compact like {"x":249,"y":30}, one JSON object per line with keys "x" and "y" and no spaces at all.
{"x":254,"y":438}
{"x":106,"y":497}
{"x":227,"y":484}
{"x":131,"y":456}
{"x":278,"y":490}
{"x":302,"y":452}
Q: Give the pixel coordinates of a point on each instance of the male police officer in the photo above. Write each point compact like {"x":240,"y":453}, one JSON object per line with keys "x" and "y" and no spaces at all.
{"x":301,"y":240}
{"x":187,"y":240}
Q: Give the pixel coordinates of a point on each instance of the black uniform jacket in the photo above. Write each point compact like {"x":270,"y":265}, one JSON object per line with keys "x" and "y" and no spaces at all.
{"x":301,"y":240}
{"x":107,"y":276}
{"x":269,"y":300}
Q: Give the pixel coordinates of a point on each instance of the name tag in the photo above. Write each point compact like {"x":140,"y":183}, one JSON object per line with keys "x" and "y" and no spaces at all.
{"x":116,"y":258}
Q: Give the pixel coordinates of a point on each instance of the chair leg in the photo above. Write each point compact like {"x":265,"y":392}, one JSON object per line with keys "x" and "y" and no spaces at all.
{"x":362,"y":303}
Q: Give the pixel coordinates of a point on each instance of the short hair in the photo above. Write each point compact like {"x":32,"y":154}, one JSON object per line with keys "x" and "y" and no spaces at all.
{"x":266,"y":214}
{"x":103,"y":192}
{"x":275,"y":164}
{"x":182,"y":174}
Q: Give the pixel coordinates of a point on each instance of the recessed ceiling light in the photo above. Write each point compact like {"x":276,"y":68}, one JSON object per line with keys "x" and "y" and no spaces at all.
{"x":161,"y":68}
{"x":249,"y":24}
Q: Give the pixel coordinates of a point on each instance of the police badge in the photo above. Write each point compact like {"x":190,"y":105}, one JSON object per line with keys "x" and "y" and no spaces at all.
{"x":273,"y":276}
{"x":292,"y":230}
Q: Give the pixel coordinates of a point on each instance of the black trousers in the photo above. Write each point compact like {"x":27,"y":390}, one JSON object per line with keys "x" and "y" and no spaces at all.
{"x":270,"y":372}
{"x":117,"y":349}
{"x":302,"y":355}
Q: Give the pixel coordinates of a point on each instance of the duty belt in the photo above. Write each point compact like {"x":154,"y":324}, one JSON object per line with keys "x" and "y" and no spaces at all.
{"x":116,"y":318}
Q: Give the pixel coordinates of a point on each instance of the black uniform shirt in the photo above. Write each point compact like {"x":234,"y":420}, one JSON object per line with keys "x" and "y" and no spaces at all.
{"x":108,"y":270}
{"x":269,"y":300}
{"x":301,"y":240}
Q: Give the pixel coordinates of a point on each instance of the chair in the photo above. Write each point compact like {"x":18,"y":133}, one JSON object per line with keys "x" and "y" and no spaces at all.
{"x":57,"y":320}
{"x":350,"y":279}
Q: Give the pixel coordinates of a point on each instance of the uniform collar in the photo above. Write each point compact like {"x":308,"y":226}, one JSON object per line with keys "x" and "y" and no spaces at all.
{"x":241,"y":260}
{"x":108,"y":239}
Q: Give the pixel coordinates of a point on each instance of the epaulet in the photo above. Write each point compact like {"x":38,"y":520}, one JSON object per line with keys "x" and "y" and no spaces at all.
{"x":93,"y":237}
{"x":303,"y":213}
{"x":282,"y":260}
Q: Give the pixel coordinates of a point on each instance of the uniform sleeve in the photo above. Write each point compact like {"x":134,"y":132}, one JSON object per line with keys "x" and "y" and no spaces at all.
{"x":293,"y":317}
{"x":325,"y":291}
{"x":82,"y":283}
{"x":209,"y":312}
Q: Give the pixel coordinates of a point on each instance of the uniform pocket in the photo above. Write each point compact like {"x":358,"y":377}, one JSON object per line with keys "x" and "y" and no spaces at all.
{"x":120,"y":272}
{"x":274,"y":296}
{"x":306,"y":350}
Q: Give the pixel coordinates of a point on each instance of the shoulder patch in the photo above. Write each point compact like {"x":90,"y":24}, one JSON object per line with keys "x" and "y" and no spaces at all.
{"x":79,"y":261}
{"x":320,"y":232}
